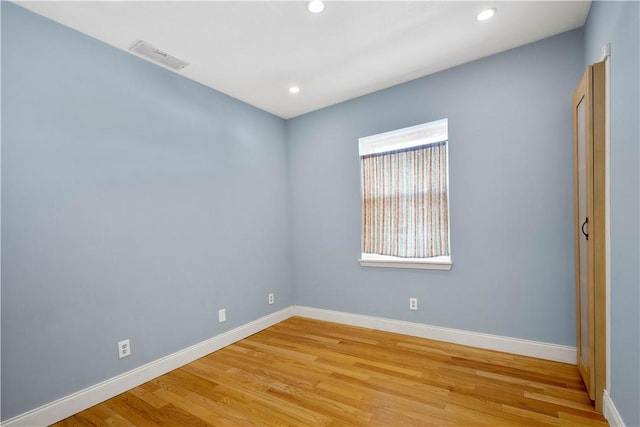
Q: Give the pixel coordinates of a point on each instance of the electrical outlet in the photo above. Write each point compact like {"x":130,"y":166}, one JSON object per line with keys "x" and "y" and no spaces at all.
{"x":222,"y":315}
{"x":413,"y":303}
{"x":124,"y":349}
{"x":271,"y":299}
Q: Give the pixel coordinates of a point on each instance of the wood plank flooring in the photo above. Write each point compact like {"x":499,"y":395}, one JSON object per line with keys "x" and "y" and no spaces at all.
{"x":304,"y":372}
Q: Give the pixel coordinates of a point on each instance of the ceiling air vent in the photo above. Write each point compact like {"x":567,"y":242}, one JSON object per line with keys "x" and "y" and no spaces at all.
{"x":144,"y":49}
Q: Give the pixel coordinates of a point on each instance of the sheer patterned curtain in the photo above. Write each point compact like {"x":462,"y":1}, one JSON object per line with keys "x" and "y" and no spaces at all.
{"x":404,"y":202}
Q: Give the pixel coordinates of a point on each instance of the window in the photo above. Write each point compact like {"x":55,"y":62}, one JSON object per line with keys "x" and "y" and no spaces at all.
{"x":405,"y":197}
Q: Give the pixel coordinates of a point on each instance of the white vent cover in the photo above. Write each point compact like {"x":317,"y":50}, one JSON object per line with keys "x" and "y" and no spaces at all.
{"x":144,"y":49}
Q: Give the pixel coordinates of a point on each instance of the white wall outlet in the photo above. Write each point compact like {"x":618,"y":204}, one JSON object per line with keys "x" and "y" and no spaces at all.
{"x":271,"y":299}
{"x":413,"y":303}
{"x":222,"y":315}
{"x":124,"y":349}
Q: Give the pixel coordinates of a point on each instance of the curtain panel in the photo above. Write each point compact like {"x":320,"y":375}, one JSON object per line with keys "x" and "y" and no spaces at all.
{"x":405,"y":202}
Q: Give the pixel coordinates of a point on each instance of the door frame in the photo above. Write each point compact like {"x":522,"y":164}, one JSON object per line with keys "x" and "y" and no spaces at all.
{"x":600,"y":232}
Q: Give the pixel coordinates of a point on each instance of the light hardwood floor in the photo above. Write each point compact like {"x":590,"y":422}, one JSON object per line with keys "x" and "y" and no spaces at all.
{"x":304,"y":372}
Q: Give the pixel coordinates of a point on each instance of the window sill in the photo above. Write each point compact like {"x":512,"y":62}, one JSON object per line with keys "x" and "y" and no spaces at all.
{"x":425,"y":264}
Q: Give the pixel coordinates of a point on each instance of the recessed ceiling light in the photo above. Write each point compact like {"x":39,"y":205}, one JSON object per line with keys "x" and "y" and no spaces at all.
{"x":315,"y":6}
{"x":486,"y":14}
{"x":294,"y":89}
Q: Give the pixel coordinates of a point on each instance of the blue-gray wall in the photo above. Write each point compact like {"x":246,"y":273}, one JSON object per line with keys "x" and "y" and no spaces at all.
{"x":135,"y":204}
{"x":619,"y":23}
{"x":511,"y":197}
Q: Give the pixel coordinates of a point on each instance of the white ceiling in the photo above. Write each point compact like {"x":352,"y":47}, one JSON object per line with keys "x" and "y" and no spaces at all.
{"x":255,"y":51}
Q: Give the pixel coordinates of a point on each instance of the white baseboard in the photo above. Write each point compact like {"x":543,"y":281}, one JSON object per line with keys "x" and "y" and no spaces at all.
{"x":83,"y":399}
{"x":610,"y":411}
{"x":558,"y":353}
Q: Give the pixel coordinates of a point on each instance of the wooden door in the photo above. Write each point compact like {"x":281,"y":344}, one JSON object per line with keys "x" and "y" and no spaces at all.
{"x":590,"y":239}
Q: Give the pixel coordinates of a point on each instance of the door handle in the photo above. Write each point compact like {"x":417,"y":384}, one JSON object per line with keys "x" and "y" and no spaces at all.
{"x":586,"y":221}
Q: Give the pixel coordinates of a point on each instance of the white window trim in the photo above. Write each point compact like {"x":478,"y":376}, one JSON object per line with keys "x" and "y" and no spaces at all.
{"x":436,"y":263}
{"x":413,"y":136}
